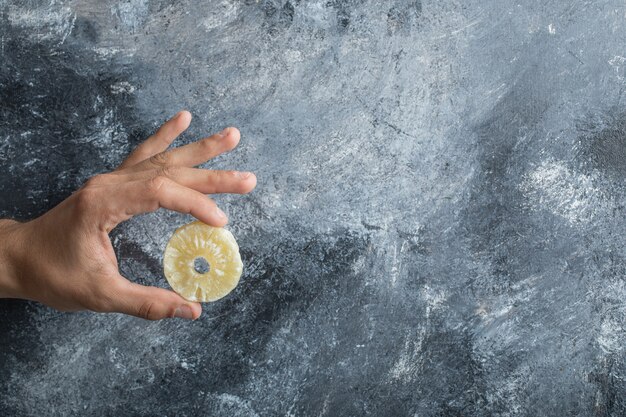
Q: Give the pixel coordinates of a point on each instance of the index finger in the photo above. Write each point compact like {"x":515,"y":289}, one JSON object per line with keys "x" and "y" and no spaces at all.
{"x":160,"y":140}
{"x":143,"y":196}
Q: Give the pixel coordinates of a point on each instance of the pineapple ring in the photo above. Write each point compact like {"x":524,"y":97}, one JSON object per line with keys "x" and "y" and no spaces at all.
{"x":196,"y":241}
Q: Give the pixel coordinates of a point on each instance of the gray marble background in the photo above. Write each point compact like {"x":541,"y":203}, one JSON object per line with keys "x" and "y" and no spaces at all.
{"x":438,"y":228}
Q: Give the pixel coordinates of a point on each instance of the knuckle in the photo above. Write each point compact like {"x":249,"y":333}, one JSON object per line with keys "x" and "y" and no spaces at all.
{"x":160,"y":159}
{"x":228,"y":177}
{"x":85,"y":199}
{"x":155,"y":184}
{"x":219,"y":177}
{"x":203,"y":201}
{"x":99,"y":179}
{"x":147,"y":311}
{"x":167,"y":172}
{"x":207,"y":144}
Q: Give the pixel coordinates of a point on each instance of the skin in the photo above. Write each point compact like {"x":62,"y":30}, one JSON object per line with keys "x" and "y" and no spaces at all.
{"x":75,"y":267}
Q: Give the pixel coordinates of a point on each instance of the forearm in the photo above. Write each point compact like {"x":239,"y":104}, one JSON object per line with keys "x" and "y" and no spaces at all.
{"x":9,"y":274}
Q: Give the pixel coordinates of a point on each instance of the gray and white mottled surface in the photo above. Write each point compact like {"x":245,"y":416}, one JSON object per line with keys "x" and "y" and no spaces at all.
{"x":438,"y":228}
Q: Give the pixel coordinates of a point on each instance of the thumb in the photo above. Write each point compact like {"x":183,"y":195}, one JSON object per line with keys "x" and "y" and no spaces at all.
{"x":152,"y":303}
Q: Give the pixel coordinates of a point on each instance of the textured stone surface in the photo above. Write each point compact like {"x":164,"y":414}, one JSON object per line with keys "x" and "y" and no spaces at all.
{"x":438,"y":227}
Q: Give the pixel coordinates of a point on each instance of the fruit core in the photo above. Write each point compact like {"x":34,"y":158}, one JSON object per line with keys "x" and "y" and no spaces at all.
{"x":201,"y":265}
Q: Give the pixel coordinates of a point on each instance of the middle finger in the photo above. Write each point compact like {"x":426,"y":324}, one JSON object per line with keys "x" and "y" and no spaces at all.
{"x":193,"y":154}
{"x":202,"y":180}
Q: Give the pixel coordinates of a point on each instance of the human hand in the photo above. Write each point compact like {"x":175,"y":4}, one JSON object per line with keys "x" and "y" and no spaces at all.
{"x":65,"y":259}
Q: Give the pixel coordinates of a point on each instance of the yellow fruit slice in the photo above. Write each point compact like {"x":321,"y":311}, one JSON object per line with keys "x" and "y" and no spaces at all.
{"x":194,"y":244}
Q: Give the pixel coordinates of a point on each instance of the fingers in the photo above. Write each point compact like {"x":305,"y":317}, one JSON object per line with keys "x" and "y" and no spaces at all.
{"x":151,"y":303}
{"x":202,"y":180}
{"x":193,"y":154}
{"x":160,"y":141}
{"x":145,"y":196}
{"x":151,"y":177}
{"x":212,"y":182}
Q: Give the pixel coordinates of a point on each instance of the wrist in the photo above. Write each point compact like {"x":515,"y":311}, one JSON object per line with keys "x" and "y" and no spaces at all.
{"x":9,"y":275}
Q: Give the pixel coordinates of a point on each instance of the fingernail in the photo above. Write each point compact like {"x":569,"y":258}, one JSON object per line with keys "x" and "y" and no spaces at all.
{"x":184,"y":312}
{"x":177,"y":115}
{"x":224,"y":132}
{"x":243,"y":175}
{"x":220,"y":213}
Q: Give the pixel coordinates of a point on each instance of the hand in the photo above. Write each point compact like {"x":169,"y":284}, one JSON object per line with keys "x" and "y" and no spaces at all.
{"x":65,"y":259}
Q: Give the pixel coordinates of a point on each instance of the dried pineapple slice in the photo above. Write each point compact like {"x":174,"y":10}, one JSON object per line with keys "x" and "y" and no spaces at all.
{"x":195,"y":242}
